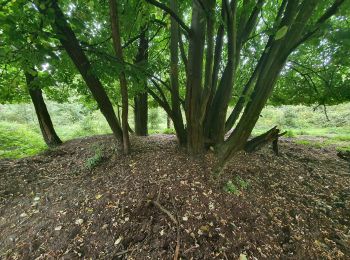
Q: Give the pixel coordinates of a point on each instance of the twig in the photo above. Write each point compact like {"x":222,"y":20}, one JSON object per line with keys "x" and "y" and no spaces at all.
{"x":160,"y":190}
{"x":190,"y":249}
{"x":167,"y":212}
{"x":177,"y":249}
{"x":123,"y":252}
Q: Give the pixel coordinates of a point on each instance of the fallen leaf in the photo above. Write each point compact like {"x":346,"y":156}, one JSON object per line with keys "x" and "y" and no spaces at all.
{"x":79,"y":221}
{"x":58,"y":228}
{"x":118,"y":240}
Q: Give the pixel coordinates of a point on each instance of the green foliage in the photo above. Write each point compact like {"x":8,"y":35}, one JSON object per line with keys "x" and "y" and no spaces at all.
{"x":96,"y":159}
{"x":303,"y":142}
{"x":169,"y":131}
{"x":20,"y":132}
{"x":236,"y":186}
{"x":302,"y":122}
{"x":289,"y":134}
{"x":19,"y":140}
{"x":243,"y":184}
{"x":302,"y":118}
{"x":154,"y":119}
{"x":230,"y":187}
{"x":281,"y":32}
{"x":344,"y":148}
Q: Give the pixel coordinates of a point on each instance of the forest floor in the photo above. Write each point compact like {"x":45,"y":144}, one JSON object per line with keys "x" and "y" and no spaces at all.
{"x":86,"y":200}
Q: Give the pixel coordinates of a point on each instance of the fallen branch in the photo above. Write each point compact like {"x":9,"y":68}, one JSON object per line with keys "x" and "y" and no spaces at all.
{"x":167,"y":212}
{"x":270,"y":136}
{"x":177,"y":248}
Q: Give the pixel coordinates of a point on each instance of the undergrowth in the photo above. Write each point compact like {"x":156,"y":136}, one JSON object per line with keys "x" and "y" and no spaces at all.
{"x":236,"y":186}
{"x":96,"y":159}
{"x":20,"y":134}
{"x":17,"y":140}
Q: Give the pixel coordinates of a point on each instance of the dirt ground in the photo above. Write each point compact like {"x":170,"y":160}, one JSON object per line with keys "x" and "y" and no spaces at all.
{"x":158,"y":203}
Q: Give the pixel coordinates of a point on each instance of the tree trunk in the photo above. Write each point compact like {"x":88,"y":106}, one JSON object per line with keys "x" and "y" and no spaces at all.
{"x":141,"y":99}
{"x":218,"y":110}
{"x":271,"y":65}
{"x":113,"y":8}
{"x":141,"y":114}
{"x":195,"y":137}
{"x":262,"y":91}
{"x":47,"y":130}
{"x":207,"y":96}
{"x":76,"y":53}
{"x":174,"y":77}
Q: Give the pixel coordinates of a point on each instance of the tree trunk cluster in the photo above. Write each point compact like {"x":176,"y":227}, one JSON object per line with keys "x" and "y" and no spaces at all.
{"x":212,"y":64}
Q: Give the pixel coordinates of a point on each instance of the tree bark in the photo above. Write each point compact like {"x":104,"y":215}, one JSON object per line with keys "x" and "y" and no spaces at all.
{"x":271,"y":66}
{"x":270,"y":136}
{"x":71,"y":44}
{"x":195,"y":135}
{"x":141,"y":114}
{"x":141,"y":99}
{"x":217,"y":113}
{"x":113,"y":8}
{"x":47,"y":129}
{"x":174,"y":77}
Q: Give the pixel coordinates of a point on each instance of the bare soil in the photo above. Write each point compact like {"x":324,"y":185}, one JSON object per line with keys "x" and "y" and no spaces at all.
{"x":157,"y":203}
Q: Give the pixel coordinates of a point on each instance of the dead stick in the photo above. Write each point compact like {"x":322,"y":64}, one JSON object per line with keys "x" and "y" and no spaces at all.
{"x":155,"y":203}
{"x":177,"y":249}
{"x":158,"y":197}
{"x":123,"y":252}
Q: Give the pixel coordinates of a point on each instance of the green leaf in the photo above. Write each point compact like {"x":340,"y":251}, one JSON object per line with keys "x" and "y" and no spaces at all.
{"x":281,"y":32}
{"x":32,"y":72}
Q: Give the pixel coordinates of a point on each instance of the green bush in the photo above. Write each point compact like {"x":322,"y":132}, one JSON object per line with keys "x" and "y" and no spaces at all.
{"x":230,"y":187}
{"x":20,"y":134}
{"x":169,"y":131}
{"x":154,"y":119}
{"x":96,"y":159}
{"x":235,"y":187}
{"x":18,"y":140}
{"x":290,"y":133}
{"x":290,"y":119}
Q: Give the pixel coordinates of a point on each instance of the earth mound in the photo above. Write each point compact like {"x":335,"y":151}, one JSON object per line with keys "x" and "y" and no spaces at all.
{"x":87,"y":200}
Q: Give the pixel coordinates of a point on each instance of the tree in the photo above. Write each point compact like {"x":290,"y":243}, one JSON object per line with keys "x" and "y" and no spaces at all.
{"x":228,"y":53}
{"x":20,"y":77}
{"x":44,"y":119}
{"x":70,"y":43}
{"x":141,"y":98}
{"x":212,"y":73}
{"x":113,"y":6}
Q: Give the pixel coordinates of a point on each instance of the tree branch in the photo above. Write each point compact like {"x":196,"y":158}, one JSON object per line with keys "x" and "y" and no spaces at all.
{"x":171,"y":13}
{"x":329,"y":12}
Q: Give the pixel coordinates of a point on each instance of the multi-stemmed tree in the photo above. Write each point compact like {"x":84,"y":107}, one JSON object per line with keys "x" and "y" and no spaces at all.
{"x":196,"y":59}
{"x":218,"y":38}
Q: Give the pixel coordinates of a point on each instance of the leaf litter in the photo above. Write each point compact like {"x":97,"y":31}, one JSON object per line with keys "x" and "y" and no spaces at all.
{"x":158,"y":203}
